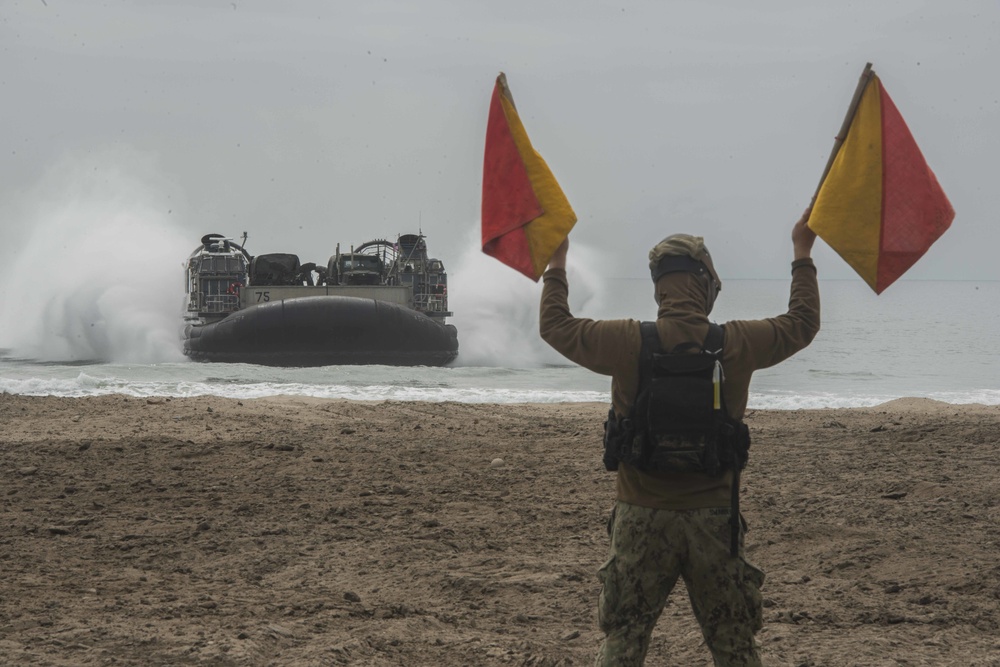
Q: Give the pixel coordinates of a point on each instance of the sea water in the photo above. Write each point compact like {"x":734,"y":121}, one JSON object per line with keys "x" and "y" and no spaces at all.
{"x":932,"y":339}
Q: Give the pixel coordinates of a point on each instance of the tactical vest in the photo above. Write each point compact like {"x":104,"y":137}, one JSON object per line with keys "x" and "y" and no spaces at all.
{"x":678,"y":422}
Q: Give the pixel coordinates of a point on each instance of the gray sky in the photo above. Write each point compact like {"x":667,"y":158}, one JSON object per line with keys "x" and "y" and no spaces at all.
{"x":312,"y":123}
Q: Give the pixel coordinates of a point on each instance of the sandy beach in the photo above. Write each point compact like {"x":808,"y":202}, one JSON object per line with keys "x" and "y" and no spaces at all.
{"x":294,"y":531}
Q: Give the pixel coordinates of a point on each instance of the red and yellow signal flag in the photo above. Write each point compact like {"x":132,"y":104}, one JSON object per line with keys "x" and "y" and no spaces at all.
{"x":879,"y":206}
{"x":525,"y":214}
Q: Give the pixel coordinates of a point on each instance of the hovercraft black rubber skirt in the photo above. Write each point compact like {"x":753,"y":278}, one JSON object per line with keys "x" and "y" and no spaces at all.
{"x":324,"y":331}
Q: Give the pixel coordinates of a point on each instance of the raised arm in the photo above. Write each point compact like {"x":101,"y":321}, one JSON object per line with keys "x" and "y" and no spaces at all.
{"x":772,"y":340}
{"x":593,"y":344}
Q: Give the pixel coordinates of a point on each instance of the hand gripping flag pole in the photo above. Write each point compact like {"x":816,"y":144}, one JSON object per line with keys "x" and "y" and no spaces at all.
{"x":878,"y":204}
{"x":525,"y":215}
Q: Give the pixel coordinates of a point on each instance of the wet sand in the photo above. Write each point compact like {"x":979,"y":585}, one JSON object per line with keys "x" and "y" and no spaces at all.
{"x":294,"y":531}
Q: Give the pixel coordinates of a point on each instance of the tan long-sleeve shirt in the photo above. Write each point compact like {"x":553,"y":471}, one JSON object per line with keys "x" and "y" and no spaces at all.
{"x":612,"y":347}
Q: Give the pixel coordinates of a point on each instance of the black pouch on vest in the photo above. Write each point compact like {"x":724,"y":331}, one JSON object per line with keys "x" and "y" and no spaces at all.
{"x":611,"y":441}
{"x":680,"y":417}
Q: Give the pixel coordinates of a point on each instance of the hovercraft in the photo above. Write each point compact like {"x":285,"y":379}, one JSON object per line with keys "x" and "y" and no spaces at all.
{"x":381,"y":303}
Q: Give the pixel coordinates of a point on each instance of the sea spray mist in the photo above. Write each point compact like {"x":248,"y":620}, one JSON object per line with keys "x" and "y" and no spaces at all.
{"x":97,"y":274}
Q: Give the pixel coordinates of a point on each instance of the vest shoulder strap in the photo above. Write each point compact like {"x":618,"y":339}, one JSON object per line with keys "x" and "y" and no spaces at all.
{"x":650,"y":339}
{"x":714,"y":339}
{"x":650,"y":346}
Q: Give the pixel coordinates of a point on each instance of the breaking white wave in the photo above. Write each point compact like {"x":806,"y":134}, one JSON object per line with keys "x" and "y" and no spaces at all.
{"x":463,"y":388}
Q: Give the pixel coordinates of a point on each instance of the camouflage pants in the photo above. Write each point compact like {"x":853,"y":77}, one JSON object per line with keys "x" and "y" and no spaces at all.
{"x":650,"y":549}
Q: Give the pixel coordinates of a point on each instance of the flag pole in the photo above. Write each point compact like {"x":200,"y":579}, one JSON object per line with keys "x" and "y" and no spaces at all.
{"x":504,"y":90}
{"x":838,"y":141}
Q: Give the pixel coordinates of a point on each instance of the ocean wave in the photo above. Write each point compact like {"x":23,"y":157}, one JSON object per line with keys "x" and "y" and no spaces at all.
{"x":551,"y":384}
{"x":84,"y":384}
{"x":815,"y":401}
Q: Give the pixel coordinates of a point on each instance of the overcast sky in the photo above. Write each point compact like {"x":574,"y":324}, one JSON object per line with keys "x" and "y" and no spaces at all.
{"x":312,"y":123}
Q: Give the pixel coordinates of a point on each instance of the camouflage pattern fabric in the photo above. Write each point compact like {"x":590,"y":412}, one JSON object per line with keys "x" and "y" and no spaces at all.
{"x":650,"y":550}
